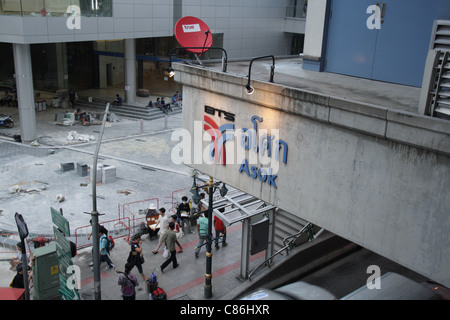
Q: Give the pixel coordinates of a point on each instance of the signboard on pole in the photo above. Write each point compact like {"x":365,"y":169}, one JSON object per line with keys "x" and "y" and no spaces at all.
{"x":61,"y":222}
{"x":61,"y":229}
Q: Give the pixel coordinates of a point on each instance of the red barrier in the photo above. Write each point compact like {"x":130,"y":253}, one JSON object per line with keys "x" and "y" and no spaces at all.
{"x":118,"y":228}
{"x":13,"y":252}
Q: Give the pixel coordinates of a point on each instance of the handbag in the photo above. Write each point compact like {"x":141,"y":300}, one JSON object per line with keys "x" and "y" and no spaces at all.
{"x":142,"y":258}
{"x":166,"y":253}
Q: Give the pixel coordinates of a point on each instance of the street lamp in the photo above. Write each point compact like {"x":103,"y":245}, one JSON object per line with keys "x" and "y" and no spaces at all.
{"x":248,"y":88}
{"x":210,"y":187}
{"x":95,"y":214}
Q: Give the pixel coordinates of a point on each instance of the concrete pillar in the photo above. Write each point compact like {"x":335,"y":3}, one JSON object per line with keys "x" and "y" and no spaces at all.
{"x":130,"y":71}
{"x":62,"y":68}
{"x":140,"y":74}
{"x":25,"y":91}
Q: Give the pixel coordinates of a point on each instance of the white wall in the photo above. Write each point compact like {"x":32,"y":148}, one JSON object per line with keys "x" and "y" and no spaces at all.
{"x":315,"y":21}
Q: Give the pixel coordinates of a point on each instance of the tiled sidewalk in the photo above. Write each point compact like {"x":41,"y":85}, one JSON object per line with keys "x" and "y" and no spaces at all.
{"x":184,"y":283}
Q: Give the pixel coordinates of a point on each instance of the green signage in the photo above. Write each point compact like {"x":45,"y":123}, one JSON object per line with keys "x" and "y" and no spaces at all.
{"x":61,"y":229}
{"x":65,"y":292}
{"x":61,"y":241}
{"x":61,"y":222}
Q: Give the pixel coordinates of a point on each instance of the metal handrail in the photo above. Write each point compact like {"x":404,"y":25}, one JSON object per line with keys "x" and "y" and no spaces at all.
{"x":286,"y":247}
{"x":224,"y":56}
{"x":296,"y":235}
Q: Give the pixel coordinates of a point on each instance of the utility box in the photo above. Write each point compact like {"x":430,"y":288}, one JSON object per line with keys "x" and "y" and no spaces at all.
{"x":46,"y":273}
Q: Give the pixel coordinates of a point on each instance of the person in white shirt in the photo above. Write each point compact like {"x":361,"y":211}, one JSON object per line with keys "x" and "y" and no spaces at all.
{"x":163,"y":226}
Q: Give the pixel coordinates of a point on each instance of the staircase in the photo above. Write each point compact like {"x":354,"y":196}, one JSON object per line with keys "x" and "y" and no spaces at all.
{"x":138,"y":112}
{"x":287,"y":225}
{"x":290,"y":232}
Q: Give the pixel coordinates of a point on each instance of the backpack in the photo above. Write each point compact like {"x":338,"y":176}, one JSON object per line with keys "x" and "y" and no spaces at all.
{"x":159,"y":294}
{"x":110,"y":244}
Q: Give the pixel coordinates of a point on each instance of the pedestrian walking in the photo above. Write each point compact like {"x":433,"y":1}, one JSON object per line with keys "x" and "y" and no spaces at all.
{"x":171,"y":240}
{"x":136,"y":256}
{"x":163,"y":225}
{"x":104,"y":253}
{"x":202,"y":227}
{"x":178,"y":231}
{"x":221,"y":230}
{"x":128,"y":283}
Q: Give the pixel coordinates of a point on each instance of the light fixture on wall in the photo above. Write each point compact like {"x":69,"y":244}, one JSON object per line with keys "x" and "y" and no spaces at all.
{"x":248,"y":88}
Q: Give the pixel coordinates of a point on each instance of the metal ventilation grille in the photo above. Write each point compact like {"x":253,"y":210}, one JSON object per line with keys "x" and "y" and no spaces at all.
{"x":435,"y":94}
{"x":441,"y":35}
{"x":441,"y":99}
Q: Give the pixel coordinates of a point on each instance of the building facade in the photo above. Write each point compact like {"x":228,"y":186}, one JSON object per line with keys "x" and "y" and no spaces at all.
{"x":79,"y":44}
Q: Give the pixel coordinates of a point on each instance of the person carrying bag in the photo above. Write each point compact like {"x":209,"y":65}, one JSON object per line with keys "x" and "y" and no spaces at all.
{"x":136,"y":256}
{"x":128,"y":283}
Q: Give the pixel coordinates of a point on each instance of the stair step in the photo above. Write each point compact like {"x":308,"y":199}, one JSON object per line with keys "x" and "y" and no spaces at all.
{"x":130,"y":111}
{"x":286,"y":225}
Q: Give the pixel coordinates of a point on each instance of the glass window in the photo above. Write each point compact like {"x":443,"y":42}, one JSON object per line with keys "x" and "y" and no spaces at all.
{"x":10,"y":7}
{"x":55,"y":8}
{"x":96,"y":8}
{"x":33,"y":8}
{"x":297,"y":9}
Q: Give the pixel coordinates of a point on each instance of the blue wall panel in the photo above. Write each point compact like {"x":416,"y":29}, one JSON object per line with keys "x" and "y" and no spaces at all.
{"x":393,"y":51}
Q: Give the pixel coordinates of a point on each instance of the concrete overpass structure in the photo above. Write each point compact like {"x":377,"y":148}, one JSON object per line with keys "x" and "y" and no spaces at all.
{"x":371,"y":173}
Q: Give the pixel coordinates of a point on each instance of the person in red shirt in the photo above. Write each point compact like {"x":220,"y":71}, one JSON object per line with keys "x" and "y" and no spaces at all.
{"x":220,"y":230}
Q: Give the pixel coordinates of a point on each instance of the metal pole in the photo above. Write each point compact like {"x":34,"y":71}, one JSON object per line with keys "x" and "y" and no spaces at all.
{"x":208,"y":275}
{"x":94,"y":214}
{"x":23,"y":233}
{"x":25,"y":269}
{"x":245,"y":248}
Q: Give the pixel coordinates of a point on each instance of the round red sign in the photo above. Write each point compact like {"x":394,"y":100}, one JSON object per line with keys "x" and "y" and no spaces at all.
{"x":193,"y":32}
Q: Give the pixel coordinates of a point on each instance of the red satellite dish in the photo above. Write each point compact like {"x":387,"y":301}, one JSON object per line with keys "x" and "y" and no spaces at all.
{"x":193,"y":32}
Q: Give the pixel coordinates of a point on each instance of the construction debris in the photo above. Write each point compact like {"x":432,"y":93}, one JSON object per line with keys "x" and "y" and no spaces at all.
{"x":60,"y":198}
{"x":73,"y":135}
{"x":126,"y":192}
{"x":17,"y":188}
